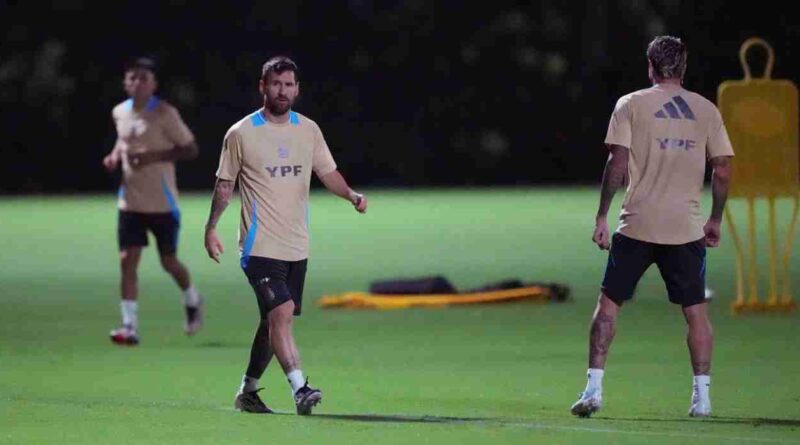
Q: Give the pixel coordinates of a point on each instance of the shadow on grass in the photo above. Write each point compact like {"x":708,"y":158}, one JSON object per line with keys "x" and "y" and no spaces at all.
{"x":393,"y":418}
{"x":752,"y":421}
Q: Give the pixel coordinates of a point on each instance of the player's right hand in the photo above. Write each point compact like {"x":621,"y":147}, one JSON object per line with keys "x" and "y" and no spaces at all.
{"x":110,"y":162}
{"x":600,"y":235}
{"x":213,"y":244}
{"x":712,"y":231}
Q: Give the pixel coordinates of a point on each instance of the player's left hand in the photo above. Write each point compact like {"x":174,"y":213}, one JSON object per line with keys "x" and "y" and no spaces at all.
{"x":712,"y":231}
{"x":359,"y":202}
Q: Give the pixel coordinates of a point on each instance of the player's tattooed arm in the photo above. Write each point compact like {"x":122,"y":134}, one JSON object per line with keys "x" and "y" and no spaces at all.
{"x":720,"y":181}
{"x":223,"y":192}
{"x":614,"y":177}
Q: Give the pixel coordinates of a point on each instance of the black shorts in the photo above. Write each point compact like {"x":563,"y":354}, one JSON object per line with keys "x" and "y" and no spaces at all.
{"x":275,"y":282}
{"x":682,"y":266}
{"x":132,"y":230}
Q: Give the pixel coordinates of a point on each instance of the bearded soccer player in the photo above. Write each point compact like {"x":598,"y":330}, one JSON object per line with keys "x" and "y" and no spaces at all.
{"x":151,"y":137}
{"x":271,"y":153}
{"x":660,"y":138}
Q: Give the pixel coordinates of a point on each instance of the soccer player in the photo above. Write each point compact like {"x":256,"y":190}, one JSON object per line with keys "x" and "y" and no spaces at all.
{"x":151,"y":136}
{"x":660,"y":138}
{"x":272,"y":152}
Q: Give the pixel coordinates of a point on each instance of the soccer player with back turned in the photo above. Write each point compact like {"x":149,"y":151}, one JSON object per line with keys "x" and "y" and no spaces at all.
{"x":661,"y":138}
{"x":271,"y":153}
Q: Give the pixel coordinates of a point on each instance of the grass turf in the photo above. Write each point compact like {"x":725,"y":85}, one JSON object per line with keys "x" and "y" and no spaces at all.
{"x":505,"y":373}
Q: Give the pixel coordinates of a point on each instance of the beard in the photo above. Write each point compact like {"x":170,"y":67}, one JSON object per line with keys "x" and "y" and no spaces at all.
{"x":278,"y":108}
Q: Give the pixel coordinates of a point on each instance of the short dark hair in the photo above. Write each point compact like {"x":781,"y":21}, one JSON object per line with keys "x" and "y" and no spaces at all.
{"x":278,"y":65}
{"x":667,"y":54}
{"x":142,"y":63}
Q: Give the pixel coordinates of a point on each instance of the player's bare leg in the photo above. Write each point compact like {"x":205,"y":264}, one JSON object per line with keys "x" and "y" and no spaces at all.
{"x":700,"y":339}
{"x":129,"y":288}
{"x":247,"y":398}
{"x":283,"y":345}
{"x":193,"y":301}
{"x":601,"y":335}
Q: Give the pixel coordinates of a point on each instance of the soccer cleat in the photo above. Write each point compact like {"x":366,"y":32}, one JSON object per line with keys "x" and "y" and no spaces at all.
{"x":124,"y":335}
{"x":306,"y":398}
{"x":587,"y":404}
{"x":194,"y":318}
{"x":250,"y":402}
{"x":700,"y":407}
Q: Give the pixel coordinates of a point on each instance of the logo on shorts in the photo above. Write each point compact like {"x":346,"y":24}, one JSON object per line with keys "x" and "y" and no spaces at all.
{"x":283,"y":152}
{"x":264,"y":280}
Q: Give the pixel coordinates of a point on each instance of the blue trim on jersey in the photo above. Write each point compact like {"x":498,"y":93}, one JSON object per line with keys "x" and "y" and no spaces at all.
{"x":294,"y":118}
{"x":257,"y":119}
{"x":173,"y":207}
{"x":121,"y":192}
{"x":152,"y":103}
{"x":127,"y":105}
{"x":173,"y":204}
{"x":250,"y":239}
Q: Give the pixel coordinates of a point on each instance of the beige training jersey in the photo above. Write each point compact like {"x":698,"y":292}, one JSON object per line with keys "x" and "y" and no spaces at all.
{"x":158,"y":127}
{"x":273,"y":164}
{"x":670,"y":132}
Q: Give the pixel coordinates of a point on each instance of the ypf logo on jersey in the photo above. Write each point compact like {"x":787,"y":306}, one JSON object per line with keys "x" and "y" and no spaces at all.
{"x":282,"y":171}
{"x":676,"y":144}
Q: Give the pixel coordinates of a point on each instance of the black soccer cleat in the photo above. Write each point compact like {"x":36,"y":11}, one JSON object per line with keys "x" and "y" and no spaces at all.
{"x":306,"y":398}
{"x":250,"y":402}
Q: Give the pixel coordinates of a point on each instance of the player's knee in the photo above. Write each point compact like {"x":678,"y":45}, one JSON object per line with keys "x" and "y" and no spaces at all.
{"x":608,"y":306}
{"x":170,"y":263}
{"x":281,"y":316}
{"x":129,"y":259}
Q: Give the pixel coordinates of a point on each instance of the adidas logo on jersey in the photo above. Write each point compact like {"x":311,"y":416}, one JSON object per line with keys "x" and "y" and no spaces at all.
{"x":670,"y":110}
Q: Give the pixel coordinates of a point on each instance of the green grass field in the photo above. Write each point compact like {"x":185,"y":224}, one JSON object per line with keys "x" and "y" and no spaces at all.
{"x":480,"y":374}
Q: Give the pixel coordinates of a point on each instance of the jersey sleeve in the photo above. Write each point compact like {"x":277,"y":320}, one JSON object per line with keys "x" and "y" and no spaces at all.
{"x":718,"y":144}
{"x":176,"y":129}
{"x":619,"y":128}
{"x":323,"y":162}
{"x":230,"y":160}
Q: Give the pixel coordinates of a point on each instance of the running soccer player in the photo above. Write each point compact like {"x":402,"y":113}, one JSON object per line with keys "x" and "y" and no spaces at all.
{"x":151,"y":136}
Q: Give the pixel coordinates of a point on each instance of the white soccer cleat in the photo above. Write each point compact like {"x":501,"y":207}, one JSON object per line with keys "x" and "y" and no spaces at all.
{"x":124,"y":335}
{"x":700,"y":407}
{"x":194,"y":318}
{"x":588,"y":404}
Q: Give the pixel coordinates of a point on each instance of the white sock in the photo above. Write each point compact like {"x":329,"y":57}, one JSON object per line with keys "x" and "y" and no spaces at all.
{"x":249,"y":384}
{"x":190,"y":297}
{"x":130,"y":317}
{"x":595,"y":380}
{"x":296,"y":379}
{"x":702,"y":383}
